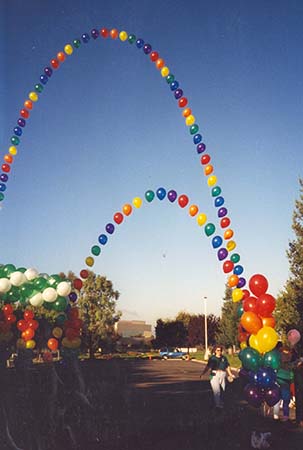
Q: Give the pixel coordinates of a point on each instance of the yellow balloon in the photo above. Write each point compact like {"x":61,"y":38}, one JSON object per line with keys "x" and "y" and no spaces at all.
{"x":57,"y":332}
{"x":212,"y":180}
{"x":243,"y":345}
{"x":201,"y":219}
{"x":68,"y":49}
{"x":267,"y":339}
{"x":33,"y":96}
{"x":231,"y":245}
{"x":89,"y":261}
{"x":123,"y":36}
{"x":190,"y":120}
{"x":13,"y":150}
{"x":137,"y":202}
{"x":164,"y":71}
{"x":253,"y":342}
{"x":237,"y":295}
{"x":30,"y":344}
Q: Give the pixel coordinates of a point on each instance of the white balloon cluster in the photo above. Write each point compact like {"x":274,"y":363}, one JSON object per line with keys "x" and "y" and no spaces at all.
{"x":49,"y":294}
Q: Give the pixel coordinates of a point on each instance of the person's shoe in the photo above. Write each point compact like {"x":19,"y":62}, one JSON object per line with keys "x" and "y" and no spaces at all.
{"x":276,"y":416}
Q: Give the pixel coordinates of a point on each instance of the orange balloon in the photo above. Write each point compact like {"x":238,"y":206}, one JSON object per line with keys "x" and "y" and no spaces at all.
{"x":186,"y":112}
{"x":251,"y":322}
{"x":193,"y":210}
{"x":268,"y":322}
{"x":160,"y":63}
{"x":228,"y":234}
{"x":52,"y":344}
{"x":127,"y":209}
{"x":8,"y":158}
{"x":28,"y":104}
{"x":28,"y":334}
{"x":208,"y":169}
{"x":113,"y":33}
{"x":233,"y":280}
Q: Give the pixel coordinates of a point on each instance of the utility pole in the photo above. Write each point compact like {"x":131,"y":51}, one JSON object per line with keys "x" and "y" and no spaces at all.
{"x":205,"y":330}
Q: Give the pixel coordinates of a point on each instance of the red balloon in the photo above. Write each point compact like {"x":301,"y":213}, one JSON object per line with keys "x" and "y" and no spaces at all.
{"x":10,"y":318}
{"x":242,"y":337}
{"x":183,"y":200}
{"x":118,"y":218}
{"x":228,"y":266}
{"x":73,"y":313}
{"x":7,"y":309}
{"x":250,"y":304}
{"x":21,"y":325}
{"x":205,"y":159}
{"x":52,"y":344}
{"x":77,"y":284}
{"x":265,"y":305}
{"x":32,"y":323}
{"x":72,"y":333}
{"x":258,"y":284}
{"x":84,"y":273}
{"x":28,"y":314}
{"x":225,"y":222}
{"x":246,"y":294}
{"x":251,"y":322}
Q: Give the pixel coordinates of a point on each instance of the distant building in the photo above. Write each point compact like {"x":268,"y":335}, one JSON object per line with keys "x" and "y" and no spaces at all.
{"x":133,"y":328}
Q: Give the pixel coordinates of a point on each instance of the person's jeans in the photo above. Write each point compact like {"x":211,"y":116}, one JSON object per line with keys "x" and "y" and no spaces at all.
{"x":285,"y":396}
{"x":218,"y":383}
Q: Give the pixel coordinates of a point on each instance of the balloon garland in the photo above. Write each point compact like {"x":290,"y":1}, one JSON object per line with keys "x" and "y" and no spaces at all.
{"x":257,"y":335}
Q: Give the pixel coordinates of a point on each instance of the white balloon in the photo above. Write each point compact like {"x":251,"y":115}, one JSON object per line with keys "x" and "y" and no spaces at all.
{"x":36,"y":300}
{"x":49,"y":295}
{"x":64,"y":288}
{"x":17,"y":278}
{"x":31,"y":274}
{"x":5,"y":285}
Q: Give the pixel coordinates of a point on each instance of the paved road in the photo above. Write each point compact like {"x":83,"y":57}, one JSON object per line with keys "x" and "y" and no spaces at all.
{"x":126,"y":405}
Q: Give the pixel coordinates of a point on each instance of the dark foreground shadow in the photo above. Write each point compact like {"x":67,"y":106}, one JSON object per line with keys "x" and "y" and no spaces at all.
{"x":126,"y":405}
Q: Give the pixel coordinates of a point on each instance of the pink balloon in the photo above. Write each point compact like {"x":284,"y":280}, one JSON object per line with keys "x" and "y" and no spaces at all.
{"x":293,"y":336}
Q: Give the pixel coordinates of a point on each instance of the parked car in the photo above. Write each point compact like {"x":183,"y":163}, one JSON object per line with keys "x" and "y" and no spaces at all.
{"x":168,"y":353}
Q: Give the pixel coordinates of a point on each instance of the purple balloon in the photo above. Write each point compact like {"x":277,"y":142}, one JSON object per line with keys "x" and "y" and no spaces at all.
{"x":222,"y":253}
{"x":272,"y":395}
{"x":110,"y":228}
{"x":201,"y":147}
{"x":222,"y":212}
{"x":253,"y":395}
{"x":241,"y":282}
{"x":73,"y":296}
{"x":3,"y":177}
{"x":172,"y":195}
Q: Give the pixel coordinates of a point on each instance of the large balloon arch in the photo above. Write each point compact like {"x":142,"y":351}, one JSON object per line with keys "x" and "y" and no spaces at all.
{"x":20,"y":286}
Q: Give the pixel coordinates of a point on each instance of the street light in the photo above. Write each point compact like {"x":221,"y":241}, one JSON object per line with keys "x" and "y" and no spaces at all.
{"x":205,"y":330}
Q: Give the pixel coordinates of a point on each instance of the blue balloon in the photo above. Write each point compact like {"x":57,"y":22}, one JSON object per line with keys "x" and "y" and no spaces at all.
{"x":161,"y":193}
{"x":219,"y":201}
{"x":238,"y":270}
{"x":265,"y":377}
{"x":216,"y":241}
{"x":102,"y":239}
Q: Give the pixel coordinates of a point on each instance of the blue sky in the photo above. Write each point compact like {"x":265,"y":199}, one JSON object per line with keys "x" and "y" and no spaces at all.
{"x":107,"y":128}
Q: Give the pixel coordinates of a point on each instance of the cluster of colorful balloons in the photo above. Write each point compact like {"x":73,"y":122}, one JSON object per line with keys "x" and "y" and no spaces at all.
{"x":29,"y":288}
{"x":258,"y":338}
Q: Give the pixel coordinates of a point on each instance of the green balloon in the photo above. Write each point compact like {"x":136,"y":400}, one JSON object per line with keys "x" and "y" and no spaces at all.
{"x":216,"y":191}
{"x":170,"y":78}
{"x":54,"y":280}
{"x":61,"y":319}
{"x":76,"y":43}
{"x":240,"y":310}
{"x":250,"y":358}
{"x":96,"y":250}
{"x":40,"y":283}
{"x":1,"y":196}
{"x":8,"y":269}
{"x":235,"y":258}
{"x":209,"y":229}
{"x":60,"y":304}
{"x":21,"y":269}
{"x":131,"y":38}
{"x":272,"y":359}
{"x":194,"y":129}
{"x":149,"y":195}
{"x":26,"y":290}
{"x":13,"y":294}
{"x":48,"y":306}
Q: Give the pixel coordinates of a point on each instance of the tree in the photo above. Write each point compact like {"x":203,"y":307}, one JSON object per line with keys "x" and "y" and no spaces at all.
{"x":227,"y":330}
{"x":289,"y":307}
{"x":97,"y":303}
{"x":170,"y":333}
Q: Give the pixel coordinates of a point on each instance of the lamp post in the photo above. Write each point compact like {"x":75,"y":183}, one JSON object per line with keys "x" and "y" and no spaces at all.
{"x":205,"y":330}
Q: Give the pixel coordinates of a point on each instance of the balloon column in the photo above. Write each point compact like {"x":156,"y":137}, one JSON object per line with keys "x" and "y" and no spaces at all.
{"x":258,"y":339}
{"x":28,"y":289}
